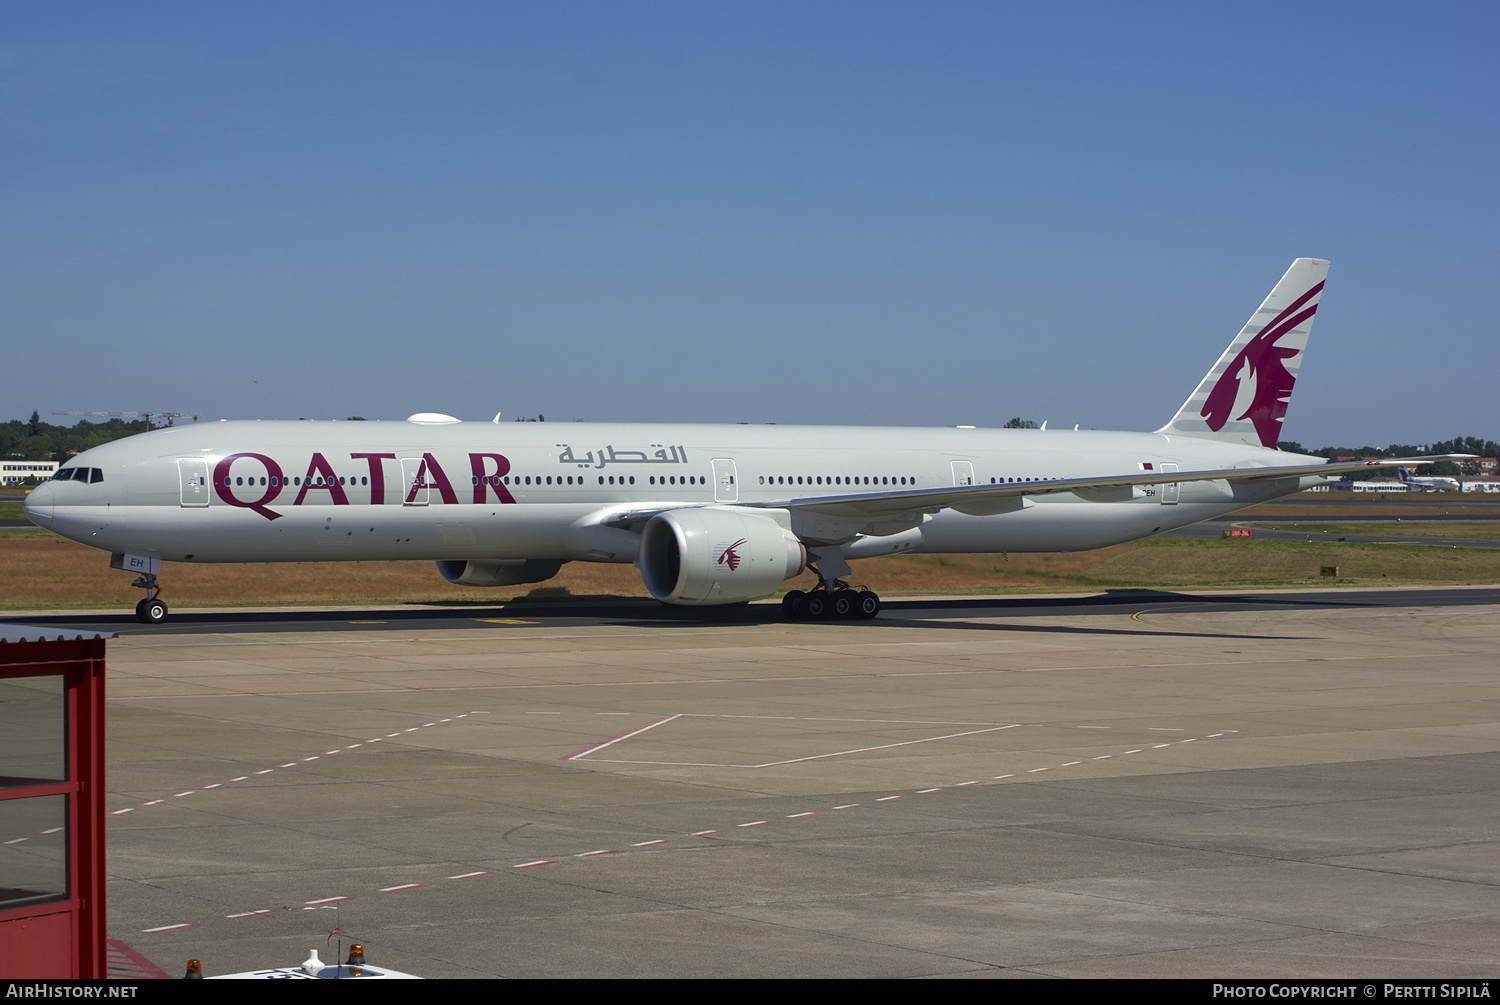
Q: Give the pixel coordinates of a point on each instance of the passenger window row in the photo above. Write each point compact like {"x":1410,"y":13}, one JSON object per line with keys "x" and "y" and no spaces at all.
{"x":835,"y":480}
{"x":315,"y":482}
{"x":603,"y":480}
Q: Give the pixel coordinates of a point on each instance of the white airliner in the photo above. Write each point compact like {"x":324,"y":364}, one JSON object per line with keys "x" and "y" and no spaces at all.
{"x":1438,"y":482}
{"x":709,"y":514}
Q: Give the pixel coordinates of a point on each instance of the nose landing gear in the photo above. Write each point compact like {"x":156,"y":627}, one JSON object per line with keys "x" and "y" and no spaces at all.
{"x":150,"y":611}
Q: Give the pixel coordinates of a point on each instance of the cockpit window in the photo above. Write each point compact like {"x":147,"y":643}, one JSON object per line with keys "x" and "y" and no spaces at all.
{"x":87,"y":475}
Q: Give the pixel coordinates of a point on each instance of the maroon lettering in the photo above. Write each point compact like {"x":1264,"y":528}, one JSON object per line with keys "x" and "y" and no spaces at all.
{"x":377,"y":475}
{"x":221,"y":485}
{"x":430,"y":476}
{"x":319,"y":466}
{"x":487,"y":480}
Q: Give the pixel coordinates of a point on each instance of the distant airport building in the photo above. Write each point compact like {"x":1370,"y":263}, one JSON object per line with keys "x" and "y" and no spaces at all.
{"x":17,"y":472}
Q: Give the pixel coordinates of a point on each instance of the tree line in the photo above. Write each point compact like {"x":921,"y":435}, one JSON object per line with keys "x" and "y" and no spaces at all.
{"x":35,"y":440}
{"x":1457,"y":445}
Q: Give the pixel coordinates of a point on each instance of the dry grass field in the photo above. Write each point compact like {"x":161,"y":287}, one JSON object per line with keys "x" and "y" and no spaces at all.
{"x":41,"y":570}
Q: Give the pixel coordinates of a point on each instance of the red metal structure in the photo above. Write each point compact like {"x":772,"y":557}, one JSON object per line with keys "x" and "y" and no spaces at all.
{"x":52,"y":919}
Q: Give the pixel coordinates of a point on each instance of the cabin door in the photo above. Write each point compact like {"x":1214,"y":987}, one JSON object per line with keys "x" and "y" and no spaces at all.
{"x":414,"y":482}
{"x":193,"y":473}
{"x":725,"y":488}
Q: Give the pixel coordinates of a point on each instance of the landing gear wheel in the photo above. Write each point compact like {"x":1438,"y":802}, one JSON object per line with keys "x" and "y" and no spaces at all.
{"x":151,"y":612}
{"x":843,"y":604}
{"x":817,"y":606}
{"x":789,"y":603}
{"x":866,"y":604}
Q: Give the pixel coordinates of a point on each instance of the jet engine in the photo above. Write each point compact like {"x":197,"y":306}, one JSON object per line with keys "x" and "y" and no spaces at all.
{"x":717,"y":556}
{"x":498,"y":572}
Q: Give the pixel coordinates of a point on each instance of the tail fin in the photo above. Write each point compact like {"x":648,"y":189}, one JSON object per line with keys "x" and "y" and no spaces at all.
{"x":1404,"y":475}
{"x":1244,"y":397}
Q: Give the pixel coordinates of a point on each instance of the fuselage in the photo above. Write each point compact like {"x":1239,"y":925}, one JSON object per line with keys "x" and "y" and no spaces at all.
{"x":363,"y":491}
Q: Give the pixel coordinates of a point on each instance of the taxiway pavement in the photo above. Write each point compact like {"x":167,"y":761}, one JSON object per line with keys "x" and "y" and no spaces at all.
{"x":1241,"y":785}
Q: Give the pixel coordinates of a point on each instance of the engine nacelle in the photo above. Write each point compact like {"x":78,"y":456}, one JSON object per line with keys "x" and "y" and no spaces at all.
{"x":717,"y":556}
{"x":498,"y":572}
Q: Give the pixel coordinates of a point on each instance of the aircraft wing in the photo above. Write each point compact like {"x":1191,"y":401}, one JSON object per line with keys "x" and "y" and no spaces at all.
{"x":983,"y":500}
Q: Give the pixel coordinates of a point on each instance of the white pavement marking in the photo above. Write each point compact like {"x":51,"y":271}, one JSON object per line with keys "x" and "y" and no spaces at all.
{"x":325,"y":903}
{"x":622,"y":736}
{"x":289,"y":764}
{"x":770,"y":764}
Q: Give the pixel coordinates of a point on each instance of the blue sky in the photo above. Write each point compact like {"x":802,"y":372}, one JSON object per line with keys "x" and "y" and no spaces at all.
{"x":922,"y":214}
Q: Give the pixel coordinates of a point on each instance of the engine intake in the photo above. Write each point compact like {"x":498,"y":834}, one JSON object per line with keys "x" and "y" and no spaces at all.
{"x":701,"y":557}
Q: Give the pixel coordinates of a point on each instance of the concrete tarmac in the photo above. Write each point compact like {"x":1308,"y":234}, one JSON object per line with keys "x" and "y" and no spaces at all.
{"x":1130,"y":785}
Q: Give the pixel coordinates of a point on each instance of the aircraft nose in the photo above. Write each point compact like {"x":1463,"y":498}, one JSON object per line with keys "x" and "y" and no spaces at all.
{"x":38,"y":506}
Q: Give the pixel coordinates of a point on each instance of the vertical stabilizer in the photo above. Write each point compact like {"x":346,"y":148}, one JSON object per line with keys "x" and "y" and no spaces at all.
{"x":1244,"y":397}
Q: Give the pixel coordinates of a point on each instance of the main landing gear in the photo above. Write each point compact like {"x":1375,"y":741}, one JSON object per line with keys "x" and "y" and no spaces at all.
{"x":150,"y":611}
{"x":829,"y":601}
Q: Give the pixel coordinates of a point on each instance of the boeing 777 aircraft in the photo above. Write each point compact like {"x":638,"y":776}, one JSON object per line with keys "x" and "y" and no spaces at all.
{"x":709,"y":514}
{"x":1439,"y":482}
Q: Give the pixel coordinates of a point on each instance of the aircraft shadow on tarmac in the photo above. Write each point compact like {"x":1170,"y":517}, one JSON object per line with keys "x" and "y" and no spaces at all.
{"x":641,"y":613}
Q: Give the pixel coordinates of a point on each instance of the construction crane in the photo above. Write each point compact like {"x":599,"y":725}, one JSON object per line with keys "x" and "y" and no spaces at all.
{"x":148,"y":416}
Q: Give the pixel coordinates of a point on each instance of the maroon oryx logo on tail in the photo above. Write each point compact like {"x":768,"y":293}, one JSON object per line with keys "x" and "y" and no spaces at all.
{"x":730,"y":556}
{"x":1257,"y":384}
